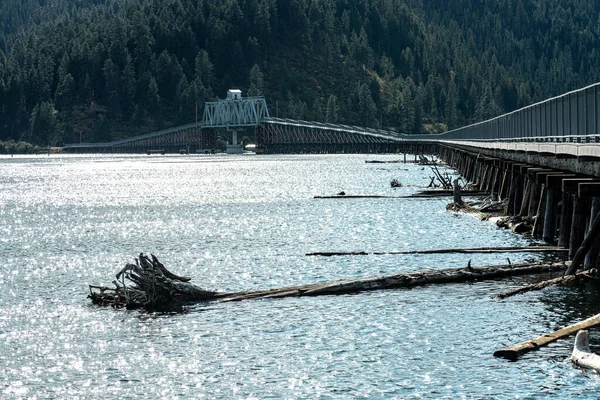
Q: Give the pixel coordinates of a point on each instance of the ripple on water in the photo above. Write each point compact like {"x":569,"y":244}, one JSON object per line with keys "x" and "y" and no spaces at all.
{"x":237,"y":223}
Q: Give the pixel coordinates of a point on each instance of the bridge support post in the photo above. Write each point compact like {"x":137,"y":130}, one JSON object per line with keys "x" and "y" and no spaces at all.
{"x":538,"y":226}
{"x":578,"y":225}
{"x":534,"y":198}
{"x":234,"y":147}
{"x":550,"y":215}
{"x":566,"y":219}
{"x":591,"y":258}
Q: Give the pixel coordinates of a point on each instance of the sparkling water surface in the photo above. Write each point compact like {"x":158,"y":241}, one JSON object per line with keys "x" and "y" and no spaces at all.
{"x":247,"y":222}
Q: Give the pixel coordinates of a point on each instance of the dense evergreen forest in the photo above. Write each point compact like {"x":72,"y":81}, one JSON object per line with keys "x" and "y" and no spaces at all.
{"x":96,"y":70}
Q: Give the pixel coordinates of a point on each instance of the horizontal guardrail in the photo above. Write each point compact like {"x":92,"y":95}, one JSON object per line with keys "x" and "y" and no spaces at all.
{"x":571,"y":116}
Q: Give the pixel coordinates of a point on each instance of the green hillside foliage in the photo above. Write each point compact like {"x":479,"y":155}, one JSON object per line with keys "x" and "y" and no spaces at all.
{"x":97,"y":70}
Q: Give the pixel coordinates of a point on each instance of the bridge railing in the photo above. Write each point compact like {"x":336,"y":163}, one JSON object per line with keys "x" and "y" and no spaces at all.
{"x":572,"y":117}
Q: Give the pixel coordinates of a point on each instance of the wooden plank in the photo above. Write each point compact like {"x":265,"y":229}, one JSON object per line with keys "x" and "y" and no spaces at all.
{"x":555,"y":180}
{"x":512,"y":353}
{"x":541,"y":176}
{"x":571,"y":185}
{"x":588,"y":189}
{"x":512,"y":249}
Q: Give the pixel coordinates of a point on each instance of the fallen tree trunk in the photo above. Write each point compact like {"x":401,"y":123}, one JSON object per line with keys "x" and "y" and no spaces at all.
{"x":153,"y":289}
{"x":561,"y":280}
{"x":582,"y":356}
{"x":407,"y":280}
{"x":512,"y":353}
{"x":511,"y":249}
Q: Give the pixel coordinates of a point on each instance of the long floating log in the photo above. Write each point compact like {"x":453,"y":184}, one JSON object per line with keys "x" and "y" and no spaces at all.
{"x":152,"y":289}
{"x":512,"y":353}
{"x":511,"y":249}
{"x":406,"y":280}
{"x":561,"y":280}
{"x":360,"y":196}
{"x":582,"y":356}
{"x":420,"y":194}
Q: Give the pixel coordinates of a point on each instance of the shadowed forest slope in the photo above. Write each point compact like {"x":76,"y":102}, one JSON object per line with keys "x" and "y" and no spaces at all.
{"x":106,"y":69}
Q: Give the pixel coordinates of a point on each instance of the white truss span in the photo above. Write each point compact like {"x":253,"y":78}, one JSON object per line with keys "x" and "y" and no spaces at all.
{"x":250,"y":111}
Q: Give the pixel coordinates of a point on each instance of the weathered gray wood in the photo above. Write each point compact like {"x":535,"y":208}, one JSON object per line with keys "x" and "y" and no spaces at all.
{"x":406,"y":280}
{"x":525,"y":202}
{"x":561,"y":280}
{"x":582,"y":356}
{"x":586,"y":245}
{"x":533,"y":198}
{"x":153,"y":290}
{"x":550,"y":215}
{"x":456,"y":192}
{"x":566,"y":219}
{"x":577,"y":225}
{"x":591,"y":258}
{"x":538,"y":227}
{"x":513,"y":352}
{"x":511,"y":249}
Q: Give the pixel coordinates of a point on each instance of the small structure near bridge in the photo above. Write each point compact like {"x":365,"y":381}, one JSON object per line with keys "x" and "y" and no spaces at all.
{"x":235,"y":113}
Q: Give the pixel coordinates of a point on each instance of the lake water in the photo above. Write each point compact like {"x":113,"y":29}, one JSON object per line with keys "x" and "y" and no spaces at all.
{"x":246,"y":222}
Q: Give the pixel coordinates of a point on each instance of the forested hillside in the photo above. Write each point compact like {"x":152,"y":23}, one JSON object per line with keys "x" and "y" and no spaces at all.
{"x":105,"y":69}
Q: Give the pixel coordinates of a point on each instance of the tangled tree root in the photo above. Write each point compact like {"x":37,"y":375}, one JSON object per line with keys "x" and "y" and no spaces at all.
{"x":148,"y":284}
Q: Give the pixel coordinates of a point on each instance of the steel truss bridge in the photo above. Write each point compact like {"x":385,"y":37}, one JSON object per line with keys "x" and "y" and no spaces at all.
{"x":566,"y":125}
{"x":273,"y":135}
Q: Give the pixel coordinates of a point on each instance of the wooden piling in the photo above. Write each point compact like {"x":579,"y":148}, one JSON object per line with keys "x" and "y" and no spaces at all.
{"x":518,"y":195}
{"x":526,"y":194}
{"x":566,"y":219}
{"x":591,"y":258}
{"x":550,"y":215}
{"x":510,"y":210}
{"x":577,"y":225}
{"x":534,"y":198}
{"x":538,"y":226}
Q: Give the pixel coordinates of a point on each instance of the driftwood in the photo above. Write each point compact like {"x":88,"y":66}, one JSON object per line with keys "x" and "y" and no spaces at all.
{"x":512,"y":249}
{"x":360,"y":196}
{"x":582,"y":356}
{"x":152,"y":288}
{"x":512,"y":353}
{"x":447,"y":193}
{"x":407,"y":280}
{"x":561,"y":280}
{"x":444,"y":179}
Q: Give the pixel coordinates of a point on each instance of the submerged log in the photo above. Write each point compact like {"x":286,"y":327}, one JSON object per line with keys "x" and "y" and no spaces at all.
{"x":512,"y":353}
{"x":582,"y":356}
{"x":511,"y":249}
{"x":561,"y":280}
{"x":152,"y":289}
{"x":406,"y":280}
{"x":586,"y":245}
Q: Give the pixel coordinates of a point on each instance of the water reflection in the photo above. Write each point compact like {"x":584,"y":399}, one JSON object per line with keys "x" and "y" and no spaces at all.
{"x":239,"y":223}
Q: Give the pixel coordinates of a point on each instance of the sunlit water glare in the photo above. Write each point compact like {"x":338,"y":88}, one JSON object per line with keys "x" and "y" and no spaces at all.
{"x":246,"y":222}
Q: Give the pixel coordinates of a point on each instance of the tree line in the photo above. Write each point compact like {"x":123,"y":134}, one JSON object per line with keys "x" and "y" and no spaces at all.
{"x":96,"y":70}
